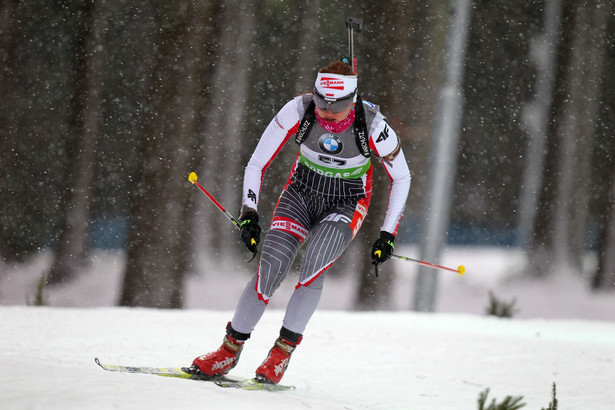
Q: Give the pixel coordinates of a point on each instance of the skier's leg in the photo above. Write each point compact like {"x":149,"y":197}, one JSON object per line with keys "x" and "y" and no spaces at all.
{"x":331,"y":235}
{"x":329,"y":240}
{"x":302,"y":305}
{"x":282,"y":242}
{"x":249,"y":309}
{"x":279,"y":251}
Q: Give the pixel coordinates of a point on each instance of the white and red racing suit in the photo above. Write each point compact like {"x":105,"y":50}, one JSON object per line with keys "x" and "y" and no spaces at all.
{"x":323,"y":204}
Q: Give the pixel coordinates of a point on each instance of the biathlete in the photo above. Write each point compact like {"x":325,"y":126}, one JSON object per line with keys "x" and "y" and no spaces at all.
{"x":323,"y":204}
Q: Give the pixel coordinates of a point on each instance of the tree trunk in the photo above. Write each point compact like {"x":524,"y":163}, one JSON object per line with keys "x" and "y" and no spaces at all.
{"x":74,"y":237}
{"x":536,"y":116}
{"x":604,"y":278}
{"x":159,"y":238}
{"x":10,"y":217}
{"x":578,"y":127}
{"x":560,"y":236}
{"x":224,"y":139}
{"x":447,"y":132}
{"x":604,"y":164}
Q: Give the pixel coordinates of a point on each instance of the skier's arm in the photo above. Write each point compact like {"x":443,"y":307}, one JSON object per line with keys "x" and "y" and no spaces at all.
{"x":283,"y":125}
{"x":398,"y":172}
{"x":386,"y":145}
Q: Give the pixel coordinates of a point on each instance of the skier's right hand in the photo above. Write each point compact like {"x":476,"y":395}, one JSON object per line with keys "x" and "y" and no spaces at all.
{"x":250,"y":231}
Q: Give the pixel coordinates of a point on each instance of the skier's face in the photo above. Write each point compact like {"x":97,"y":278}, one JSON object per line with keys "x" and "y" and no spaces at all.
{"x":334,"y":116}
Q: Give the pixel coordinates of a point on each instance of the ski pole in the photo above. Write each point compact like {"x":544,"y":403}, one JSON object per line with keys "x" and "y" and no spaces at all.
{"x":460,"y":270}
{"x":192,"y":178}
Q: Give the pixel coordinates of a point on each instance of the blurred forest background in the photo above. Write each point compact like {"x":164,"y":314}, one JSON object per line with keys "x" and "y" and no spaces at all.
{"x":107,"y":106}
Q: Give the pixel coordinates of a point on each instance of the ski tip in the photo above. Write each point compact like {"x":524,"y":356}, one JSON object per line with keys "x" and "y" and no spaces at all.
{"x":252,"y":384}
{"x":99,"y":363}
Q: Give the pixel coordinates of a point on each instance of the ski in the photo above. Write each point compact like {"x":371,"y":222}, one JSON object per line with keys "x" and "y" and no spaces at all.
{"x":190,"y":374}
{"x":252,"y":384}
{"x":177,"y":372}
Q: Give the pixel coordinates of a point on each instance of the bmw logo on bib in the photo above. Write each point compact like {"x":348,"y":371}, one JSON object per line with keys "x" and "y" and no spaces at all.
{"x":330,"y":144}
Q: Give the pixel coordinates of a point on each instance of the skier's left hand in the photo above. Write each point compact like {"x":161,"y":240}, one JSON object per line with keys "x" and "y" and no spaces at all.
{"x":383,"y":248}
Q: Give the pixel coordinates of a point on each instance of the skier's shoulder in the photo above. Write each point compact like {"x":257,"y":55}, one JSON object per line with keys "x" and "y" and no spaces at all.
{"x":381,"y":133}
{"x":292,"y":111}
{"x":369,"y":106}
{"x":303,"y":102}
{"x":373,"y":117}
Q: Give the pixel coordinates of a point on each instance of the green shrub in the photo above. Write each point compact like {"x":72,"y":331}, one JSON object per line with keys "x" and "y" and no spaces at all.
{"x":39,"y":296}
{"x":509,"y":402}
{"x":553,"y":404}
{"x":499,"y":308}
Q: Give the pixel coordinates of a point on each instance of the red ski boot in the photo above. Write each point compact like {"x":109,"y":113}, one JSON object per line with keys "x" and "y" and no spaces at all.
{"x":273,"y":368}
{"x":225,"y":358}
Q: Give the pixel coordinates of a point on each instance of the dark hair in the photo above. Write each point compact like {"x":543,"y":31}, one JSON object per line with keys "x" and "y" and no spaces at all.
{"x":337,"y":67}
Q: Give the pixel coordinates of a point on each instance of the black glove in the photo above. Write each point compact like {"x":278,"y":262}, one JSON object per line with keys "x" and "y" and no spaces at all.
{"x":250,"y":231}
{"x":382,"y":249}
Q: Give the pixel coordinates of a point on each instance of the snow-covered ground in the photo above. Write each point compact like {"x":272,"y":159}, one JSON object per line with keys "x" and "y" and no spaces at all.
{"x":394,"y":359}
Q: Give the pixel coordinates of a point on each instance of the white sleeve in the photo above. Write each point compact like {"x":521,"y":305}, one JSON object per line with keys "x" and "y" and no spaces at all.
{"x":281,"y":127}
{"x":387,"y":147}
{"x":400,"y":187}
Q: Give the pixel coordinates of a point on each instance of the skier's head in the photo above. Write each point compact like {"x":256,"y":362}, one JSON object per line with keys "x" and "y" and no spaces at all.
{"x":335,"y":89}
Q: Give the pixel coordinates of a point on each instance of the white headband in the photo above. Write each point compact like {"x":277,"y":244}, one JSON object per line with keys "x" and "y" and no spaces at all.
{"x":335,"y":85}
